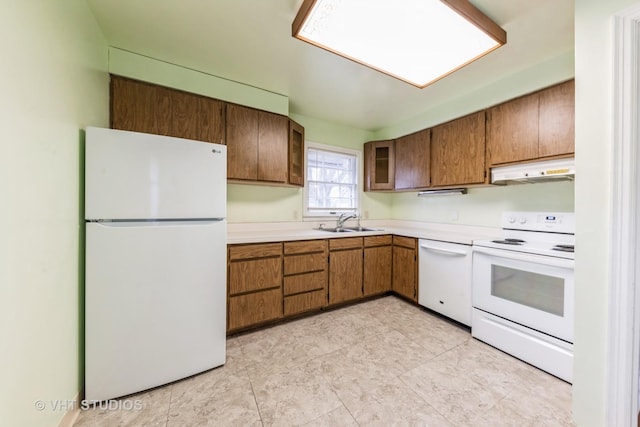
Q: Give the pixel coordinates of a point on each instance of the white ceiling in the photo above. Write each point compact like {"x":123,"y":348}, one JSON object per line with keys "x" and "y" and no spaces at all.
{"x":249,"y":41}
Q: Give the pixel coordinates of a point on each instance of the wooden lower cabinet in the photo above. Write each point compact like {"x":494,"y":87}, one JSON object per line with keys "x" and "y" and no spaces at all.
{"x":270,"y":281}
{"x":405,"y":267}
{"x":254,"y":308}
{"x":345,"y":269}
{"x":305,"y":276}
{"x":254,"y":284}
{"x":377,"y":265}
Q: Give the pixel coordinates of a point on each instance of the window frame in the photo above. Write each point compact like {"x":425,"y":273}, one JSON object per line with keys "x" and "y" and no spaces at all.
{"x":310,"y":214}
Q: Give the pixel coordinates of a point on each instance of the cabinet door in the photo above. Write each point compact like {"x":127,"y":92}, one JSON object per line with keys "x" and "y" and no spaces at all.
{"x":133,"y":105}
{"x":242,"y":142}
{"x":250,"y":309}
{"x":412,"y":154}
{"x":404,"y":272}
{"x":273,"y":147}
{"x":377,"y":270}
{"x":557,"y":120}
{"x":379,"y":165}
{"x":296,"y":154}
{"x":184,"y":115}
{"x":457,"y":151}
{"x":345,"y":275}
{"x":210,"y":120}
{"x":512,"y":130}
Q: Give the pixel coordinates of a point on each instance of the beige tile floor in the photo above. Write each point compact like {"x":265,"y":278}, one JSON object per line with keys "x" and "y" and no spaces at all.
{"x":380,"y":363}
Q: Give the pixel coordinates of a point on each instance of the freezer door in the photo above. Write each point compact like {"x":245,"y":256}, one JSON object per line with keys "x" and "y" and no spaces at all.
{"x":131,"y":175}
{"x":155,"y":304}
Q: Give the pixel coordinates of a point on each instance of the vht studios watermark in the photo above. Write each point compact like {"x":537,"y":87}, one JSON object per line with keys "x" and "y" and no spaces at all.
{"x":106,"y":405}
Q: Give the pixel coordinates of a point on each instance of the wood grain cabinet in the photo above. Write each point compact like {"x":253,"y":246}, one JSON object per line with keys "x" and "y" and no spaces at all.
{"x":345,"y":269}
{"x":534,"y":126}
{"x":379,"y":165}
{"x":296,"y":154}
{"x":412,"y":166}
{"x":254,"y":283}
{"x":377,"y":265}
{"x":458,"y":151}
{"x":257,"y":145}
{"x":405,"y":267}
{"x":305,"y":276}
{"x":144,"y":107}
{"x":556,"y":125}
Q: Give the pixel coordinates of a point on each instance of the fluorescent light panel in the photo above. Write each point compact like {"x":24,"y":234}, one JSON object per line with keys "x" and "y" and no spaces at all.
{"x":418,"y":41}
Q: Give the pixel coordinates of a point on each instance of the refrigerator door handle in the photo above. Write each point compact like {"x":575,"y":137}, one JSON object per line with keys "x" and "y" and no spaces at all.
{"x":156,"y":223}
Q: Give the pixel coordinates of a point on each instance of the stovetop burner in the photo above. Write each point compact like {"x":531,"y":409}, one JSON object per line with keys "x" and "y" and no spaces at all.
{"x":564,"y":248}
{"x":509,"y":241}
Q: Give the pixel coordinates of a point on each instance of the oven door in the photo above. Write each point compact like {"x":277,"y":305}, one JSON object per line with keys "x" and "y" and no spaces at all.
{"x":533,"y":290}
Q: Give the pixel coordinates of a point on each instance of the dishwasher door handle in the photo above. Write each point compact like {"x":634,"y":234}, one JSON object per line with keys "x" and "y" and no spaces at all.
{"x":444,"y":251}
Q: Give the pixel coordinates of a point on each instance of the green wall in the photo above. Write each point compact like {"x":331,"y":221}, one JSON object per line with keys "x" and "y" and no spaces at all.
{"x":483,"y":206}
{"x":54,"y":83}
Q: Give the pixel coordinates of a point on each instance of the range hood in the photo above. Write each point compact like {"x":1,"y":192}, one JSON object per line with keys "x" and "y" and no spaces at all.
{"x":544,"y":171}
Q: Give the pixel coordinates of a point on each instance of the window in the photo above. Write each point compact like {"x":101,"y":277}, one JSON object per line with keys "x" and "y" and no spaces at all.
{"x":332,"y":180}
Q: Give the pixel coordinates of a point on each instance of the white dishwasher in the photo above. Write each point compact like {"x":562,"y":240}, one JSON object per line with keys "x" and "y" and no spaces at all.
{"x":444,"y":282}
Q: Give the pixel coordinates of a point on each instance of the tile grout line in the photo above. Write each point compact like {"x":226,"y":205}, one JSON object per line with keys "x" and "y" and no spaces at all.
{"x":169,"y":406}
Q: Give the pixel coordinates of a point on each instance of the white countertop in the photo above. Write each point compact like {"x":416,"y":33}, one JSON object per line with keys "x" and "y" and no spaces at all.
{"x":238,"y":233}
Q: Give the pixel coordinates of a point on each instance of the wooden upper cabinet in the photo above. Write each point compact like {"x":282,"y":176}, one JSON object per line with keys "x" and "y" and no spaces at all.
{"x":557,"y":120}
{"x":257,"y":145}
{"x":379,"y":165}
{"x":273,"y":147}
{"x":458,"y":151}
{"x":534,"y":126}
{"x":512,"y":130}
{"x":143,"y":107}
{"x":133,"y":105}
{"x":412,"y":153}
{"x":242,"y":142}
{"x":296,"y":154}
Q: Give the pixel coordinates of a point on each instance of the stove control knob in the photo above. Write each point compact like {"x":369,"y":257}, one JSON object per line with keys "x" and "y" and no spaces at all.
{"x":523,"y":220}
{"x":511,"y":220}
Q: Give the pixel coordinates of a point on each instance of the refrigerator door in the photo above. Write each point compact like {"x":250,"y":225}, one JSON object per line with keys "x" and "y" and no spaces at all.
{"x":155,"y":304}
{"x":131,"y":175}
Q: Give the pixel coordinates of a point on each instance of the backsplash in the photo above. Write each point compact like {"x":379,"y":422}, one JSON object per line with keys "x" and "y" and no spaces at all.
{"x":479,"y":207}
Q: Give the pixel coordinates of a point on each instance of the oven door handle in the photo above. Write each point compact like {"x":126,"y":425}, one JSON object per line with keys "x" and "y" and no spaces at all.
{"x":444,"y":251}
{"x":538,"y":259}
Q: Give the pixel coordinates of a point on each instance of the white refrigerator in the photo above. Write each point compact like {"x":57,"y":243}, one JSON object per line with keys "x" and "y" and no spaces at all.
{"x":155,"y":263}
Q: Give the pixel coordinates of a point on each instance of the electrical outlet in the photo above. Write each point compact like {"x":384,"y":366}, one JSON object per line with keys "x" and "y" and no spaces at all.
{"x":295,"y":214}
{"x":365,"y":215}
{"x":453,"y":215}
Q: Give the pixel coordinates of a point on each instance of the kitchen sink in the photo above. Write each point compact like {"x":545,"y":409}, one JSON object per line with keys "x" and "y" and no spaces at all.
{"x":347,"y":229}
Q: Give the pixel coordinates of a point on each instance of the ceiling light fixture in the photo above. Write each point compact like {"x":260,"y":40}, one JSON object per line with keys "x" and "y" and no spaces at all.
{"x":417,"y":41}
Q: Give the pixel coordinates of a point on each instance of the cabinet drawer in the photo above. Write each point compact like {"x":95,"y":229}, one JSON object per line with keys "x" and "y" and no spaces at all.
{"x":407,"y":242}
{"x":255,"y":251}
{"x":377,"y":240}
{"x":345,"y":243}
{"x":249,"y":309}
{"x":306,"y":246}
{"x":294,"y":264}
{"x":305,"y":282}
{"x":253,"y":275}
{"x":304,"y":302}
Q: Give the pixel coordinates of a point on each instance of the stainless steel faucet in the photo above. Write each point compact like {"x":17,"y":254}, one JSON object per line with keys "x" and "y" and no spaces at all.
{"x":344,"y":217}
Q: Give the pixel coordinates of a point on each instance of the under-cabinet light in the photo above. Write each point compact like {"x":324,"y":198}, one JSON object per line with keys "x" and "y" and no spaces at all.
{"x":443,"y":192}
{"x":417,"y":41}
